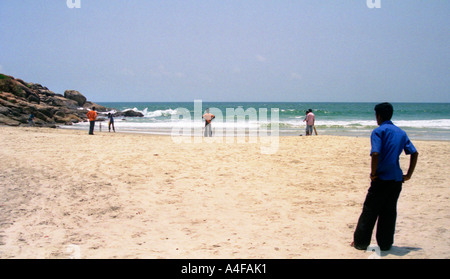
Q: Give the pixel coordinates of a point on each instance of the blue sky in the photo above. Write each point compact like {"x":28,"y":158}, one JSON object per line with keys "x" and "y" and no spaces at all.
{"x":231,"y":50}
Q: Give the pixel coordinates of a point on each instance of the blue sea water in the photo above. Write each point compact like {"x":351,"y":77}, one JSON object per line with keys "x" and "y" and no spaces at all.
{"x":426,"y":121}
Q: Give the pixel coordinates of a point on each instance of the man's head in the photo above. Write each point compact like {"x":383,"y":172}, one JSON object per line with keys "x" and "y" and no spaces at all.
{"x":383,"y":112}
{"x":93,"y":108}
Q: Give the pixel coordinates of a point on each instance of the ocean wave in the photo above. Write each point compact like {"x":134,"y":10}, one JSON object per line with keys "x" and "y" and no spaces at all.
{"x":155,"y":113}
{"x":422,"y":124}
{"x":367,"y":124}
{"x":288,"y":124}
{"x":433,"y":124}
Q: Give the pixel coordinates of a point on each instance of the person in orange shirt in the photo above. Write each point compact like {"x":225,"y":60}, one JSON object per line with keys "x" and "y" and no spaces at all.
{"x":92,"y":115}
{"x":208,"y":118}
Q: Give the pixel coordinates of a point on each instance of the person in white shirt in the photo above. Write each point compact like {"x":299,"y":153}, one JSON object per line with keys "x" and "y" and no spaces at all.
{"x":208,"y":118}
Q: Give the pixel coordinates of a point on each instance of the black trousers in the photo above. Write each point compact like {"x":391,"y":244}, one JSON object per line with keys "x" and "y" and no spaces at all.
{"x":381,"y":205}
{"x":91,"y":127}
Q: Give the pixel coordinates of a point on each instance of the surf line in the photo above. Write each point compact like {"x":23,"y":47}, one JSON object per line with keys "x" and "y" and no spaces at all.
{"x":192,"y":130}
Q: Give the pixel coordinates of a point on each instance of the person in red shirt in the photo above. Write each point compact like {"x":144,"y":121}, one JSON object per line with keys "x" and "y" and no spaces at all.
{"x":92,"y":115}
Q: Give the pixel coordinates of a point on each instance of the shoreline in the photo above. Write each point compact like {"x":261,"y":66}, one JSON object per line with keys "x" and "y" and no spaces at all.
{"x":69,"y":128}
{"x":280,"y":135}
{"x":145,"y":196}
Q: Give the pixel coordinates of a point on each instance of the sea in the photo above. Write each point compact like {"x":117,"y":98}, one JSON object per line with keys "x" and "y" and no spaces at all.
{"x":422,"y":121}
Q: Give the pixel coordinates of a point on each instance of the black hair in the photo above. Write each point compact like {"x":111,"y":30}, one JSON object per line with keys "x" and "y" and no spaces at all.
{"x":310,"y":110}
{"x":385,"y":111}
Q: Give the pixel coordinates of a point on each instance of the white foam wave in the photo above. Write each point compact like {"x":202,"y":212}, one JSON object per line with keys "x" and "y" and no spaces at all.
{"x":443,"y":124}
{"x":425,"y":124}
{"x":434,"y":124}
{"x":153,"y":114}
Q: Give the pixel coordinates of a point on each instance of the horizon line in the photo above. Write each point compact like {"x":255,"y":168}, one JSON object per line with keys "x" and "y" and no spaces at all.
{"x":361,"y":102}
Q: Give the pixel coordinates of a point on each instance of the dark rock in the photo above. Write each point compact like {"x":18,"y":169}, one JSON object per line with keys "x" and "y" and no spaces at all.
{"x":43,"y":117}
{"x":23,"y":118}
{"x":8,"y":121}
{"x":16,"y":111}
{"x":62,"y":102}
{"x":4,"y":110}
{"x":132,"y":113}
{"x":33,"y":98}
{"x":49,"y":93}
{"x":73,"y":118}
{"x":99,"y":108}
{"x":60,"y":113}
{"x":49,"y":111}
{"x":76,"y":96}
{"x":25,"y":89}
{"x":36,"y":86}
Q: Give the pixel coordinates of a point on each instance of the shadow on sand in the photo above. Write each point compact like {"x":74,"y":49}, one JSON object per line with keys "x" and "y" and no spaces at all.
{"x":399,"y":251}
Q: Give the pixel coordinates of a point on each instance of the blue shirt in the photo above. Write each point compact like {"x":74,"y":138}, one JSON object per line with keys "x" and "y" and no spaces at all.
{"x":389,"y":141}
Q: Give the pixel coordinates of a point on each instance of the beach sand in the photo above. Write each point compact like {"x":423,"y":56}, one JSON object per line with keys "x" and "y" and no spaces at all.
{"x":66,"y":194}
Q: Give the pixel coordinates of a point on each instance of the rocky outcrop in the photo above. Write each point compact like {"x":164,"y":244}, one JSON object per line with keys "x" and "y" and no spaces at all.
{"x":19,"y":99}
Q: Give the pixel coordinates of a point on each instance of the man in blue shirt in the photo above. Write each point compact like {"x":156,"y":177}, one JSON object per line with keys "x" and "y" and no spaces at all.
{"x":388,"y":142}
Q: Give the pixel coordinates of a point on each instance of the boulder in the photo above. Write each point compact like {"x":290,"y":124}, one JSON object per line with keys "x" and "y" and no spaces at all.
{"x":99,"y":108}
{"x":36,"y":86}
{"x":15,"y":111}
{"x":33,"y":98}
{"x":8,"y":121}
{"x":4,"y":110}
{"x":46,"y":110}
{"x":24,"y":88}
{"x":62,"y":102}
{"x":48,"y":93}
{"x":4,"y":100}
{"x":23,"y":118}
{"x":43,"y":117}
{"x":73,"y":118}
{"x":76,"y":96}
{"x":66,"y":119}
{"x":132,"y":113}
{"x":60,"y":113}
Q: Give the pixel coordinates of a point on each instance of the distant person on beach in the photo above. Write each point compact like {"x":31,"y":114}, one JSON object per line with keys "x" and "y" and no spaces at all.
{"x":309,"y":119}
{"x":208,"y":118}
{"x":31,"y":120}
{"x":388,"y":142}
{"x":111,"y":122}
{"x":92,"y":116}
{"x":304,"y":120}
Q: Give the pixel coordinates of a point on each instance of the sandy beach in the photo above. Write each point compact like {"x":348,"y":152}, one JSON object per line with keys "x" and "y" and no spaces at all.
{"x":66,"y":194}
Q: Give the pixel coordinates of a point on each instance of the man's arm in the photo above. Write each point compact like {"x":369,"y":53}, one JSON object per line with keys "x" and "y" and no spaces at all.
{"x":412,"y":166}
{"x":375,"y":157}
